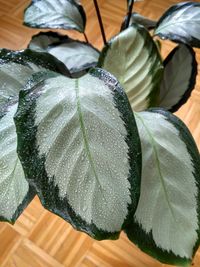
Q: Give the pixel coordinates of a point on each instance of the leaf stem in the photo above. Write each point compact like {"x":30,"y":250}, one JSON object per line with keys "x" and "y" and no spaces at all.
{"x":129,"y":13}
{"x":100,"y":21}
{"x":86,"y":39}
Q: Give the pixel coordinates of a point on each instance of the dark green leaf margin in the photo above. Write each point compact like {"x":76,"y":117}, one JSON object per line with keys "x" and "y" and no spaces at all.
{"x":134,"y":231}
{"x":34,"y":167}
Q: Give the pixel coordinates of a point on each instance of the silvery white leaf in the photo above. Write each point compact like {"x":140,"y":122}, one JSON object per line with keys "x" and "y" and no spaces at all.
{"x":166,"y":222}
{"x":76,"y":55}
{"x":55,"y":14}
{"x":77,"y":134}
{"x":133,"y":57}
{"x":181,"y":23}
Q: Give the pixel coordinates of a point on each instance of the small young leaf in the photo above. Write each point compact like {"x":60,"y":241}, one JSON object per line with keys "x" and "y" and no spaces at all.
{"x":55,"y":14}
{"x":76,"y":145}
{"x":76,"y":55}
{"x":179,"y":78}
{"x":167,"y":219}
{"x":139,"y":19}
{"x":133,"y":57}
{"x":181,"y":23}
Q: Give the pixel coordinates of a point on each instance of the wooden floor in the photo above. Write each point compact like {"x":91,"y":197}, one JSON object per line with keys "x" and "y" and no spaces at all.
{"x":39,"y":238}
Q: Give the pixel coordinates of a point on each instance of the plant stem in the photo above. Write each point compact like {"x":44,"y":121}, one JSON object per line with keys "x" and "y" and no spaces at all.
{"x":129,"y":13}
{"x":86,"y":39}
{"x":100,"y":21}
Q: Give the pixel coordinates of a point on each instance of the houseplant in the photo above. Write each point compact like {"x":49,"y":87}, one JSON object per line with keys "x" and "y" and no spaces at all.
{"x":98,"y":97}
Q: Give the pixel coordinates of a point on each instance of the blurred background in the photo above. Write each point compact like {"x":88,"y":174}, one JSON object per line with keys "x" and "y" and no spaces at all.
{"x":39,"y":238}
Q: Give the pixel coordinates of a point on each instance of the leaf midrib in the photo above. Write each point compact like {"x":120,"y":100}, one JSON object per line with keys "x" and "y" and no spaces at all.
{"x":167,"y":25}
{"x":85,"y":138}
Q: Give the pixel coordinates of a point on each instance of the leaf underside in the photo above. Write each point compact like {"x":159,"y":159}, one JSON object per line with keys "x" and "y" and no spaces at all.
{"x":138,"y":68}
{"x":179,"y":78}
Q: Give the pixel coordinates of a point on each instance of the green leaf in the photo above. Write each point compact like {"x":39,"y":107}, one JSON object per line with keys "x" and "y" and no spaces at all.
{"x":179,"y":78}
{"x":133,"y":58}
{"x":76,"y":145}
{"x":181,"y":23}
{"x":76,"y":55}
{"x":139,"y":19}
{"x":167,"y":219}
{"x":55,"y":14}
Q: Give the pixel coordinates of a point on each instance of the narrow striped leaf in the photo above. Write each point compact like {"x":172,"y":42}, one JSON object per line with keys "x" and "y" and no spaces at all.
{"x":166,"y":222}
{"x":181,"y":23}
{"x":76,"y":55}
{"x":139,"y":19}
{"x":179,"y":78}
{"x":133,"y":57}
{"x":55,"y":14}
{"x":75,"y":144}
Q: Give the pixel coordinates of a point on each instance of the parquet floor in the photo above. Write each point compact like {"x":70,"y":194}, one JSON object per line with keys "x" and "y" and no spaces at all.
{"x":39,"y":238}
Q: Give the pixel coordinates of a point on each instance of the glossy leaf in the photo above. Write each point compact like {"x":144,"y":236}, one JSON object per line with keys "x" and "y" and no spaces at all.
{"x":16,"y":69}
{"x":76,"y":142}
{"x":181,"y":23}
{"x":55,"y":14}
{"x":133,"y":57}
{"x":166,"y":222}
{"x":139,"y":19}
{"x":15,"y":193}
{"x":76,"y":55}
{"x":179,"y":78}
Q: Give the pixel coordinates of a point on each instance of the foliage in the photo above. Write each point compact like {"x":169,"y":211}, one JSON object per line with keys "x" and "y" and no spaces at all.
{"x":92,"y":133}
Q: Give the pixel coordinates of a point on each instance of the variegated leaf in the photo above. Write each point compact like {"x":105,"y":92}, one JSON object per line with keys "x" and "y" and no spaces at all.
{"x":55,"y":14}
{"x":16,"y":67}
{"x":15,"y":70}
{"x":133,"y":57}
{"x":167,"y":219}
{"x":15,"y":193}
{"x":76,"y":145}
{"x":180,"y":71}
{"x":76,"y":55}
{"x":181,"y":23}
